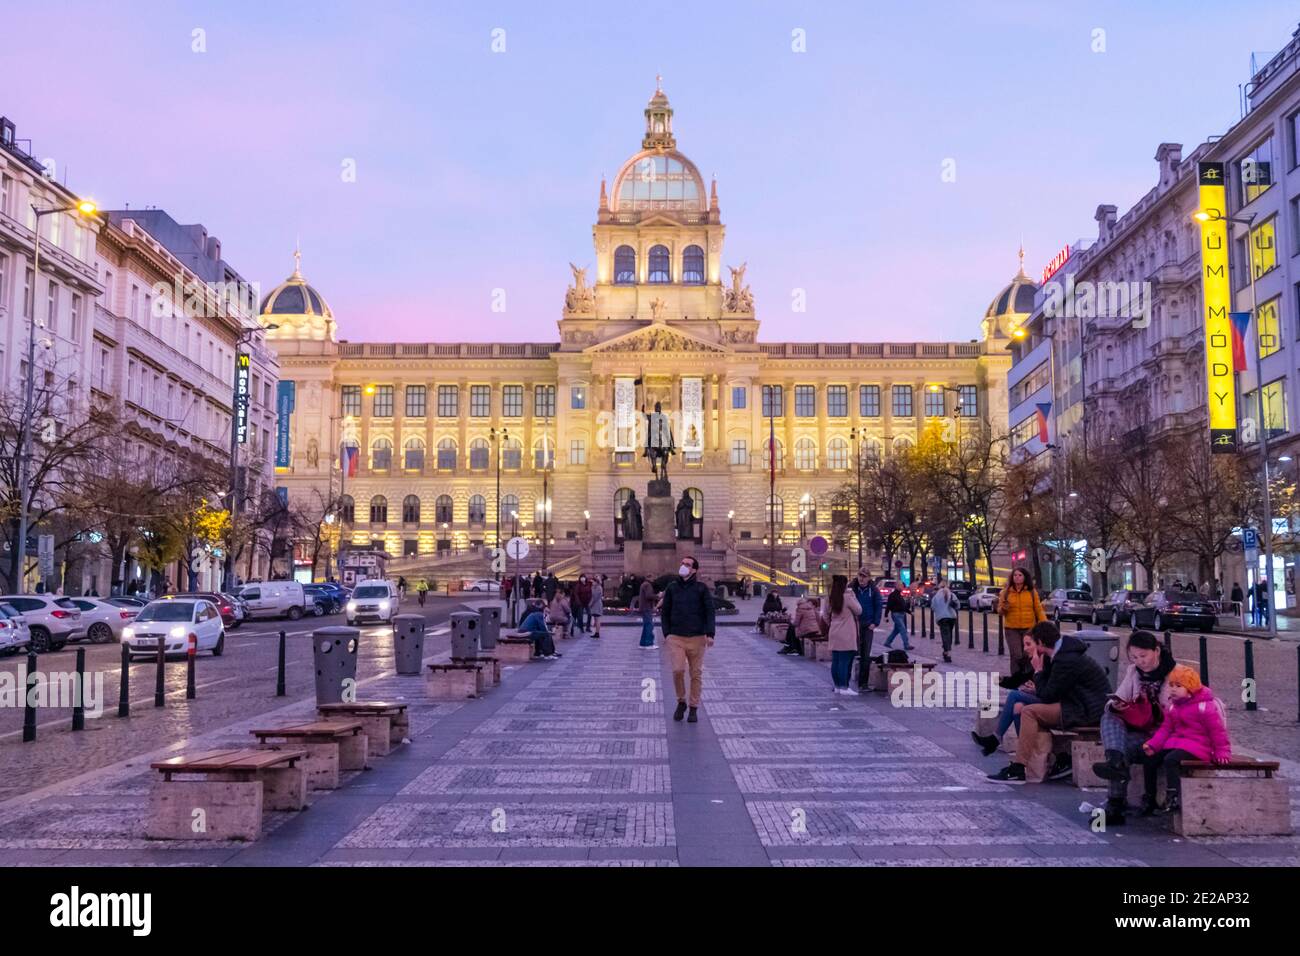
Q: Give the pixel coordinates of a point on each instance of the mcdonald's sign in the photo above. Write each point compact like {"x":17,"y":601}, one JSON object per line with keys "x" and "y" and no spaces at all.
{"x":1217,"y":293}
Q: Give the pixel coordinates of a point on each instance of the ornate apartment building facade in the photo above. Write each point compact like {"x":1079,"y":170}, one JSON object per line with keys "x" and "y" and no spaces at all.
{"x":436,"y":427}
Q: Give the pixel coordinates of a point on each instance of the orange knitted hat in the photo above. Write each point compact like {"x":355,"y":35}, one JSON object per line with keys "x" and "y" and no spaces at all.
{"x":1184,"y":676}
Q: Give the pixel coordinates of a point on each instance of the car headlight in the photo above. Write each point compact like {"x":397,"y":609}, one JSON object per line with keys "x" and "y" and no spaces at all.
{"x":352,"y":606}
{"x":383,"y":605}
{"x":128,"y":633}
{"x":177,"y":631}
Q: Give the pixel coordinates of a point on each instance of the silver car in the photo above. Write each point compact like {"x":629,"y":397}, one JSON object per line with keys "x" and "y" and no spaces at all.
{"x":54,"y":620}
{"x":103,"y":621}
{"x":1066,"y":604}
{"x":15,"y":635}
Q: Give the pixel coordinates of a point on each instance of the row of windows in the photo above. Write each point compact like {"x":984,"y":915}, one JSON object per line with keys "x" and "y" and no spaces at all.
{"x":381,"y":454}
{"x":660,"y":262}
{"x":444,"y":510}
{"x":480,"y":400}
{"x":837,"y":400}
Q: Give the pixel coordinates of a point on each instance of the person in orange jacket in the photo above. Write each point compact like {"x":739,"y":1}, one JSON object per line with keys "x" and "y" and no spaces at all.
{"x":1021,"y":609}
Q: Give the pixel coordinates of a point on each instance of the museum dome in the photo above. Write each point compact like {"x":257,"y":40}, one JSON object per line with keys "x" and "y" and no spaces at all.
{"x":297,"y":308}
{"x":1012,"y":305}
{"x":659,"y":178}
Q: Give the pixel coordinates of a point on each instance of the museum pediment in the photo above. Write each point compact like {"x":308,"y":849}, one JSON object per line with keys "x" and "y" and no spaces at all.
{"x":657,"y":338}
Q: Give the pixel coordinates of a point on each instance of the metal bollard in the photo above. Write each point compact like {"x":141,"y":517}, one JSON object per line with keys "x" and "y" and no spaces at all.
{"x":984,"y":622}
{"x":1205,"y":660}
{"x":931,"y":622}
{"x":1251,"y":704}
{"x":1078,"y":625}
{"x":29,"y":709}
{"x":1001,"y":637}
{"x":191,"y":652}
{"x":124,"y":685}
{"x":79,"y":708}
{"x":159,"y":692}
{"x":279,"y":677}
{"x":1297,"y":680}
{"x":1169,"y":641}
{"x":911,"y":622}
{"x":970,"y":629}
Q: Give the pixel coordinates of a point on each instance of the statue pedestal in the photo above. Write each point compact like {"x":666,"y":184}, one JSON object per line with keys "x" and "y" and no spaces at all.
{"x":656,"y":553}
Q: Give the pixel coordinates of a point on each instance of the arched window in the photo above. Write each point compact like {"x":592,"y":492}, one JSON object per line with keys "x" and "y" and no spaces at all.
{"x":871,"y":451}
{"x":347,"y":509}
{"x":414,"y":454}
{"x":447,"y":454}
{"x":379,"y":510}
{"x":477,"y":509}
{"x":542,"y":510}
{"x":543,"y":453}
{"x":511,"y":454}
{"x":902,"y":445}
{"x":620,"y":499}
{"x":693,"y":265}
{"x":381,"y":455}
{"x":805,"y":454}
{"x":411,"y":509}
{"x":625,"y":266}
{"x":837,"y":453}
{"x":661,"y":265}
{"x":774,"y":511}
{"x":808,"y":511}
{"x":478,"y":454}
{"x":780,"y":455}
{"x":510,"y":510}
{"x":442,"y":509}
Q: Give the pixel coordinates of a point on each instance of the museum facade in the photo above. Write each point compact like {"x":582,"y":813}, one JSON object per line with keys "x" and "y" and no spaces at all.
{"x":437,"y":447}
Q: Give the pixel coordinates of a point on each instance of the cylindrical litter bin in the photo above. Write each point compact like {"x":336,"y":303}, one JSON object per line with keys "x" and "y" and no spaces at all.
{"x":465,"y":628}
{"x":489,"y":626}
{"x":1103,"y":647}
{"x":335,"y":652}
{"x":408,"y":643}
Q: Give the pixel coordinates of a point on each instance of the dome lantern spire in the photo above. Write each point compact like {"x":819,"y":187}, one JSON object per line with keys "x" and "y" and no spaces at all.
{"x":659,"y":121}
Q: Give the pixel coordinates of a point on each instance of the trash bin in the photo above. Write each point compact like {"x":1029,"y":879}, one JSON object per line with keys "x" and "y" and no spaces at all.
{"x":465,"y":629}
{"x":335,"y":652}
{"x":489,"y":626}
{"x":408,"y":643}
{"x":1103,"y":647}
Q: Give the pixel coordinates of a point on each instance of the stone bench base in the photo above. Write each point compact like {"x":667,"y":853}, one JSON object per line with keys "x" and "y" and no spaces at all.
{"x":491,"y":669}
{"x":321,"y":763}
{"x":1233,"y":803}
{"x":205,"y":810}
{"x":816,"y":650}
{"x":514,"y":650}
{"x":453,"y":682}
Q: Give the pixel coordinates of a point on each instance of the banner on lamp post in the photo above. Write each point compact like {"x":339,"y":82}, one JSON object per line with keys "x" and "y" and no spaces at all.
{"x":1217,"y":294}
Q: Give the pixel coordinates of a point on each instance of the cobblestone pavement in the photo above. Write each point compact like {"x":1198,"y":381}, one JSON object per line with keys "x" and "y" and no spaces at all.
{"x":577,"y":762}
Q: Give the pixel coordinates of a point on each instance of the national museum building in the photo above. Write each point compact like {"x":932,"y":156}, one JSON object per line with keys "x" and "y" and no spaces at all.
{"x":455,"y":443}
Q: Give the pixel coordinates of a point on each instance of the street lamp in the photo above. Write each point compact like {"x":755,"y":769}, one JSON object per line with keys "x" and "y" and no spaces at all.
{"x":246,"y":335}
{"x":498,"y":450}
{"x":731,"y":524}
{"x":86,"y":208}
{"x":546,"y":499}
{"x":586,"y":520}
{"x":1247,"y":220}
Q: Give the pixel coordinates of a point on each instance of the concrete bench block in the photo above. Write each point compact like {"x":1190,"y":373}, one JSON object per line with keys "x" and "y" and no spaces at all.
{"x":321,"y":763}
{"x":1233,"y":803}
{"x":354,"y":752}
{"x":514,"y":651}
{"x":1083,"y":754}
{"x":378,"y":732}
{"x":454,"y":684}
{"x":205,"y":810}
{"x":283,"y":788}
{"x":816,"y":650}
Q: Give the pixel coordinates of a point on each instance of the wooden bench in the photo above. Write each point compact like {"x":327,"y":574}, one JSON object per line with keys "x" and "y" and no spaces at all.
{"x":228,"y":803}
{"x":453,"y":681}
{"x":514,"y":649}
{"x":332,"y":745}
{"x":816,"y":648}
{"x":1237,"y":798}
{"x":491,"y":669}
{"x":385,"y":723}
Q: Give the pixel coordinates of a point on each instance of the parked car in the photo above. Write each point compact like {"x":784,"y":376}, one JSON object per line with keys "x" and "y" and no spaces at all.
{"x":238,"y":606}
{"x":225,"y":606}
{"x":53,"y":620}
{"x":276,"y":599}
{"x":984,"y":598}
{"x":330,"y":597}
{"x":175,"y":619}
{"x":1068,"y":604}
{"x":127,"y":602}
{"x":1173,"y":610}
{"x":1117,"y":606}
{"x":481,"y":584}
{"x":372,"y":601}
{"x":14,"y":632}
{"x":104,"y":622}
{"x":962,"y":590}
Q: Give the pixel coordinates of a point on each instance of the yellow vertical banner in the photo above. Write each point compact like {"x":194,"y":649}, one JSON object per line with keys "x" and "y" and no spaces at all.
{"x":1217,"y":293}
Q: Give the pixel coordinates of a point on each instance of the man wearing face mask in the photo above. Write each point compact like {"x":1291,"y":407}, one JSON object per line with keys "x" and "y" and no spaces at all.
{"x":687,"y":619}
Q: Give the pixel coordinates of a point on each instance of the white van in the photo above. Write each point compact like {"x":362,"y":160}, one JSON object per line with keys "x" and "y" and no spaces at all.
{"x":373,"y":601}
{"x":276,"y":599}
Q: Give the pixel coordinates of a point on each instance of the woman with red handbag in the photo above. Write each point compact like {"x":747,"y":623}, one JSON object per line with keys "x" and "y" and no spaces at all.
{"x":1132,"y":714}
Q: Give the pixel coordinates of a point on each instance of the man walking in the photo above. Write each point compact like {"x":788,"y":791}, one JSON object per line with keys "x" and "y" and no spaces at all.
{"x":897,"y":607}
{"x":868,"y":595}
{"x":687,"y":619}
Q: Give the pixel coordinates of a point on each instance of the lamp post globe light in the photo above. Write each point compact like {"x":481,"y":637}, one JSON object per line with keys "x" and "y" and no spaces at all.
{"x":84,"y":207}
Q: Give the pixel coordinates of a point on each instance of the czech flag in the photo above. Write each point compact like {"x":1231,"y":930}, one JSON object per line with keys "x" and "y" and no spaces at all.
{"x":1240,"y":323}
{"x":1044,"y":409}
{"x":349,"y":460}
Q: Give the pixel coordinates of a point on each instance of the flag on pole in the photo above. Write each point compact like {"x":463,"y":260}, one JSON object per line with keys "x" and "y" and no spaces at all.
{"x":1044,"y":409}
{"x":1240,"y":323}
{"x":349,"y":460}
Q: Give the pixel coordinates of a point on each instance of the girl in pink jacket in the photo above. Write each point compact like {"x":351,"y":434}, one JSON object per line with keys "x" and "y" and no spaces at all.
{"x":1194,"y":728}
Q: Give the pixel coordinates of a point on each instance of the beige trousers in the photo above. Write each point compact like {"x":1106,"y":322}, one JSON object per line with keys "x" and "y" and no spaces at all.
{"x":683,"y":653}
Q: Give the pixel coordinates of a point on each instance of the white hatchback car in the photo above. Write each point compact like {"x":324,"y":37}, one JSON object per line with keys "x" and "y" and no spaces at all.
{"x":985,"y":598}
{"x":104,"y":622}
{"x":372,"y":601}
{"x":15,"y":635}
{"x":176,"y":620}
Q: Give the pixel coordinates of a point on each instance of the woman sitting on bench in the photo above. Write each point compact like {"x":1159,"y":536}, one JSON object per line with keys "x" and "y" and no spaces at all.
{"x":1021,"y":683}
{"x":772,"y":610}
{"x":805,"y":624}
{"x":560,"y":612}
{"x":1194,"y":728}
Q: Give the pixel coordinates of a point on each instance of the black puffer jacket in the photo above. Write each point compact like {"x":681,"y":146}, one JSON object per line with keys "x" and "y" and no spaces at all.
{"x":687,"y":609}
{"x":1076,"y":682}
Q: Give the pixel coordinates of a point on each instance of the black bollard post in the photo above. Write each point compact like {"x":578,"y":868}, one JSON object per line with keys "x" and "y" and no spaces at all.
{"x":159,"y":693}
{"x":191,"y":652}
{"x":1205,"y":660}
{"x":1297,"y":681}
{"x":124,"y":685}
{"x":1001,"y":639}
{"x":1169,"y":641}
{"x":29,"y":707}
{"x":931,"y":622}
{"x":279,"y":677}
{"x":984,"y":621}
{"x":1251,"y":704}
{"x":1078,"y":625}
{"x":79,"y":707}
{"x":970,"y":628}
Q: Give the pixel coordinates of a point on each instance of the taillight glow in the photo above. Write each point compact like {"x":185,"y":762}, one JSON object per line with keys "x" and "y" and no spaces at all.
{"x":60,"y":614}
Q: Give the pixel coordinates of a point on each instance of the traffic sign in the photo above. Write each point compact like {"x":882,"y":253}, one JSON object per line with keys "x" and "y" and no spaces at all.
{"x":517,"y":548}
{"x":1250,"y":539}
{"x":818,"y":545}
